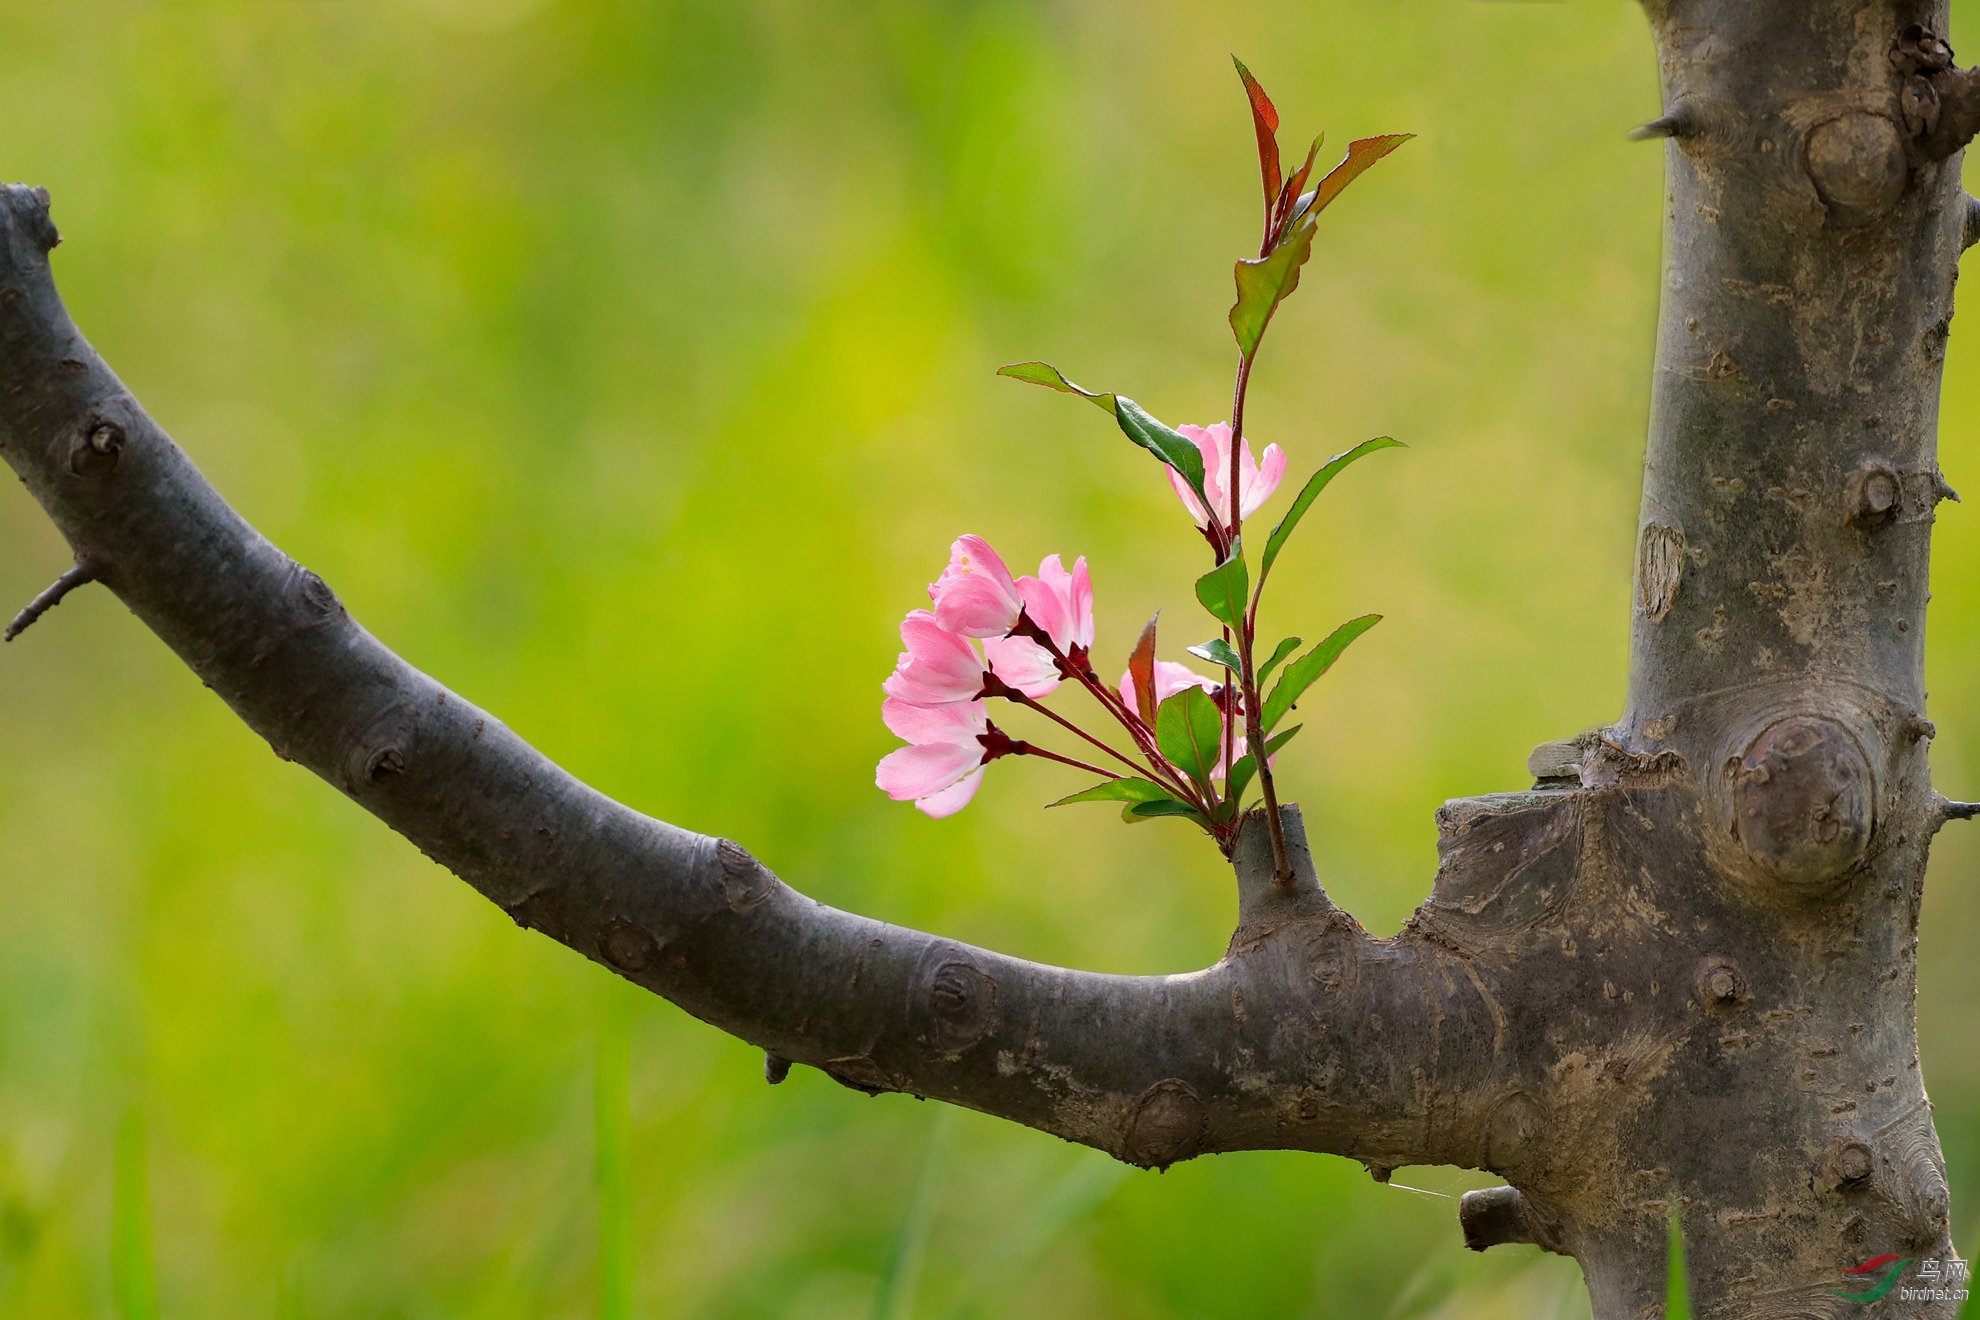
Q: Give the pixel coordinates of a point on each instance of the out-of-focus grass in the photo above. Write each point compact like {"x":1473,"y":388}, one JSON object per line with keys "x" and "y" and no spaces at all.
{"x":617,"y":1271}
{"x":629,"y":367}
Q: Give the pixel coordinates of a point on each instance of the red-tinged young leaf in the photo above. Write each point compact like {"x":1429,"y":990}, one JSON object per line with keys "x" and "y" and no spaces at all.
{"x":1265,"y":122}
{"x":1141,"y":668}
{"x":1264,"y":283}
{"x":1362,"y":153}
{"x":1167,"y":444}
{"x":1295,"y":189}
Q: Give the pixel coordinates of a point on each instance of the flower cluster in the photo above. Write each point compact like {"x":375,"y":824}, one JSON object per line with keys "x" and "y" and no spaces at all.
{"x":1193,"y":742}
{"x":1035,"y":630}
{"x":1036,"y":633}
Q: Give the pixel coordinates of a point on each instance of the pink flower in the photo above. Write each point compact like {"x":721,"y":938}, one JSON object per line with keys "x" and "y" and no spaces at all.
{"x":938,"y":667}
{"x":943,"y":764}
{"x":1255,"y":482}
{"x":975,"y":595}
{"x":1061,"y":603}
{"x":1171,"y":678}
{"x":1023,"y":664}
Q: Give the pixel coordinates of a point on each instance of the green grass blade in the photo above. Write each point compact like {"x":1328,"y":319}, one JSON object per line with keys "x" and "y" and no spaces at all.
{"x":1677,"y":1286}
{"x":133,"y":1280}
{"x":612,"y":1112}
{"x":894,"y":1298}
{"x":1081,"y":1191}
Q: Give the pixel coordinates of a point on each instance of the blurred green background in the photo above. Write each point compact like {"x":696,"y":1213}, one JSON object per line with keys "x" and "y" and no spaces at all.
{"x":627,"y":365}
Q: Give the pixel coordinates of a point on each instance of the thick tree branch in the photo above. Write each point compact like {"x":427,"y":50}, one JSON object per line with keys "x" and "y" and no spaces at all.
{"x":1254,"y":1052}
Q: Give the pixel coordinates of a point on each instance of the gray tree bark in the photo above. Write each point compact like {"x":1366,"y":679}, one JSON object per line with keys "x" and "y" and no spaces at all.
{"x":1677,"y":973}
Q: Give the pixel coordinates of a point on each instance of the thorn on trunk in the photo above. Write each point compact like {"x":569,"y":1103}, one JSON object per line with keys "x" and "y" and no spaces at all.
{"x":82,"y":572}
{"x":1971,"y":235}
{"x":775,"y":1067}
{"x":1680,"y":121}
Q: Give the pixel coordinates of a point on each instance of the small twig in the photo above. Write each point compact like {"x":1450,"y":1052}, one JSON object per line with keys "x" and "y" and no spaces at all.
{"x":1960,"y":810}
{"x":82,"y":572}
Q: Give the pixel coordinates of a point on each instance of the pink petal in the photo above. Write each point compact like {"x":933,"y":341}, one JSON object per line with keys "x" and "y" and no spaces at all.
{"x":1022,"y":663}
{"x":1270,"y":473}
{"x":972,"y":554}
{"x":1171,"y":678}
{"x":1049,"y":608}
{"x":901,"y":685}
{"x":919,"y":772}
{"x":975,"y":594}
{"x":939,"y":663}
{"x":1082,"y":605}
{"x":1188,"y":498}
{"x":957,"y":722}
{"x":975,"y":606}
{"x":953,"y":798}
{"x":1214,"y":443}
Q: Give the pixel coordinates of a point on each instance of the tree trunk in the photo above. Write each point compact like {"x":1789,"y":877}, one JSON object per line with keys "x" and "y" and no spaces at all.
{"x":1676,"y":977}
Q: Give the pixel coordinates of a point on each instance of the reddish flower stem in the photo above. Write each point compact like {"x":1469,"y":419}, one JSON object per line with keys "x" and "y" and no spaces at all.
{"x":1019,"y":748}
{"x":1082,"y":672}
{"x":1254,"y":726}
{"x":1068,"y":725}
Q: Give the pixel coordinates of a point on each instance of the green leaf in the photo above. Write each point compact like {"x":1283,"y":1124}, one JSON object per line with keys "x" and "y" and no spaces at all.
{"x":1218,"y":652}
{"x":1310,"y":492}
{"x":1265,"y":282}
{"x":1140,"y":811}
{"x":1044,"y":373}
{"x":1247,"y":765}
{"x":1172,"y":447}
{"x":1301,"y":673}
{"x":1225,"y":589}
{"x":1188,"y":729}
{"x":1117,"y":790}
{"x":1285,"y":649}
